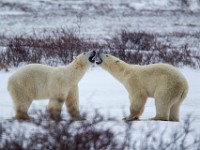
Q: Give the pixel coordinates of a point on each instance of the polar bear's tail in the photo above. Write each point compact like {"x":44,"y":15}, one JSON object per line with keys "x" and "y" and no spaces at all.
{"x":185,"y":92}
{"x":10,"y":84}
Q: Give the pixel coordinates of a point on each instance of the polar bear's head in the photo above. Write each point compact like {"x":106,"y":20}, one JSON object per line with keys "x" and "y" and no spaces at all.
{"x":108,"y":62}
{"x":85,"y":59}
{"x":106,"y":59}
{"x":112,"y":64}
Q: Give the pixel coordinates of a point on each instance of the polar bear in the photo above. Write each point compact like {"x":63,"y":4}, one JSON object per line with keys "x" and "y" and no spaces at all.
{"x":59,"y":84}
{"x":162,"y":81}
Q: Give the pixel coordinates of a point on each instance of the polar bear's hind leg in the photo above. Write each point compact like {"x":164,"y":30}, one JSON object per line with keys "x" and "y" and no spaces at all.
{"x":162,"y":111}
{"x":163,"y":101}
{"x":21,"y":107}
{"x":22,"y":111}
{"x":21,"y":103}
{"x":174,"y":112}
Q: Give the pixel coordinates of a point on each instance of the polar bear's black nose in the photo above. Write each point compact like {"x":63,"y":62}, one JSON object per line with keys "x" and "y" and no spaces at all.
{"x":93,"y":52}
{"x":98,"y":59}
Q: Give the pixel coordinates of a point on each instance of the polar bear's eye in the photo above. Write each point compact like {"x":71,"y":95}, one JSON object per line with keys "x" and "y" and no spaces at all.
{"x":116,"y":61}
{"x":84,"y":53}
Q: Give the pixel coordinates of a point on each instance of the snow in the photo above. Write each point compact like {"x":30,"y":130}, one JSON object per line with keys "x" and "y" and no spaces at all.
{"x":100,"y":20}
{"x":97,"y":18}
{"x":98,"y":90}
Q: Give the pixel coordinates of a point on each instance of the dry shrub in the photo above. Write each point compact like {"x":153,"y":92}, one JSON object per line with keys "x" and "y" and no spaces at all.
{"x":144,"y":48}
{"x":96,"y":133}
{"x":58,"y":48}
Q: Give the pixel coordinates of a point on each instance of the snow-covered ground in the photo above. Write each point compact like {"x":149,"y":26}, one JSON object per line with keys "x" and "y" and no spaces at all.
{"x":100,"y":91}
{"x":100,"y":20}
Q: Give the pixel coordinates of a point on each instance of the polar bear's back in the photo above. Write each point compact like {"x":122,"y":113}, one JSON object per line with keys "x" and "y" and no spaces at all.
{"x":32,"y":72}
{"x":163,"y":77}
{"x":31,"y":79}
{"x":163,"y":69}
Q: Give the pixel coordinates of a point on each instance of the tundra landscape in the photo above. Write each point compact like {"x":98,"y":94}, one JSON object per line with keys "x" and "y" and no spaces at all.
{"x":142,"y":32}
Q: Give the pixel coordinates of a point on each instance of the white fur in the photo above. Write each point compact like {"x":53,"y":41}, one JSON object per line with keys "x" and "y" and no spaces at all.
{"x":163,"y":82}
{"x":59,"y":84}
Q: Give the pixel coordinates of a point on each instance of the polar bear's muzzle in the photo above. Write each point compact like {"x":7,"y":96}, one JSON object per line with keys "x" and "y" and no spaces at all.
{"x":92,"y":57}
{"x":99,"y":59}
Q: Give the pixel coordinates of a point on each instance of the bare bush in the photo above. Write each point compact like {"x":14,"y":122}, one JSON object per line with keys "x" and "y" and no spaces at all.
{"x":184,"y":4}
{"x":54,"y":48}
{"x":96,"y":133}
{"x":59,"y":47}
{"x":144,"y":48}
{"x":14,"y":5}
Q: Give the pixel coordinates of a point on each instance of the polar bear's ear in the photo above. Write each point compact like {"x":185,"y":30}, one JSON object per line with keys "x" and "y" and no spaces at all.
{"x":74,"y":57}
{"x":117,"y":61}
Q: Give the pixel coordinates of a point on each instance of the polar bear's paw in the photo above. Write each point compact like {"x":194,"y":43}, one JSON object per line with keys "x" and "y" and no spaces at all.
{"x":23,"y":117}
{"x":130,"y":118}
{"x":78,"y":118}
{"x":159,"y":119}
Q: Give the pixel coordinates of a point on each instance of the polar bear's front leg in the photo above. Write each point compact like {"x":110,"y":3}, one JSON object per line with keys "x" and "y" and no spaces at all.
{"x":72,"y":104}
{"x":54,"y":108}
{"x":137,"y":107}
